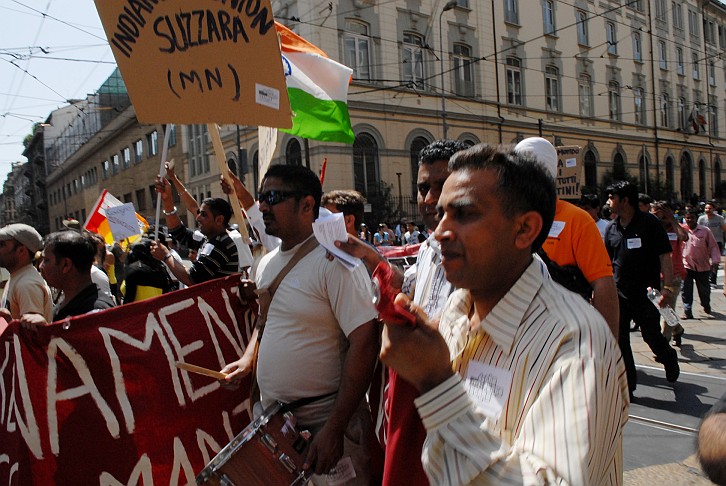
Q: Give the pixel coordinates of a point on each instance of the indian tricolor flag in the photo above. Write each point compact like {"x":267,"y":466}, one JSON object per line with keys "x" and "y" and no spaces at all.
{"x":98,"y":223}
{"x":318,"y":90}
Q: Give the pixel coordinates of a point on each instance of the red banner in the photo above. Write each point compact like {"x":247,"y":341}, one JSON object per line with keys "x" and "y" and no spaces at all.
{"x":97,"y":399}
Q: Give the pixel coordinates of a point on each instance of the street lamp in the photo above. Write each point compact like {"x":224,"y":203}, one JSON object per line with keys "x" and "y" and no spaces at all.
{"x":449,"y":5}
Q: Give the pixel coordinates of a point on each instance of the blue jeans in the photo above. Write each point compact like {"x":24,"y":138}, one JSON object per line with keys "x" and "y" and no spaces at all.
{"x":703,"y":287}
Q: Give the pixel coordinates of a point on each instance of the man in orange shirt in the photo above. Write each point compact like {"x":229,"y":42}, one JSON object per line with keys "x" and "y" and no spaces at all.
{"x":574,"y":240}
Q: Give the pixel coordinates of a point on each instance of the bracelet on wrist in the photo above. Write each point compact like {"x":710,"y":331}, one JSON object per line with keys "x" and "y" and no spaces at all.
{"x":167,"y":256}
{"x":170,"y":213}
{"x":670,"y":288}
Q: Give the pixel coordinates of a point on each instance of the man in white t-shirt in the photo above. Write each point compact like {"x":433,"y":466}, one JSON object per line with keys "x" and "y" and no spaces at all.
{"x":320,"y":338}
{"x":26,"y":292}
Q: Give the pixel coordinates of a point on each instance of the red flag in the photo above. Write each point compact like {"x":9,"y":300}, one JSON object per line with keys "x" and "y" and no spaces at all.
{"x":322,"y":171}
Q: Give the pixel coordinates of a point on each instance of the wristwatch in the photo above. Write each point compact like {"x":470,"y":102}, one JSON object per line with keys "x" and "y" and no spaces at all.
{"x":167,"y":256}
{"x":170,"y":213}
{"x":670,"y":288}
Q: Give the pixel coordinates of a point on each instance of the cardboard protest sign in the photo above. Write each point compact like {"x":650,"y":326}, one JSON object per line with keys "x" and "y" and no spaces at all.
{"x":569,"y":172}
{"x":123,"y":222}
{"x":190,"y":61}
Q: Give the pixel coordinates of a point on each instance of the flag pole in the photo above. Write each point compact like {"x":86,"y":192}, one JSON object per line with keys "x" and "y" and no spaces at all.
{"x":213,"y":130}
{"x":162,"y":173}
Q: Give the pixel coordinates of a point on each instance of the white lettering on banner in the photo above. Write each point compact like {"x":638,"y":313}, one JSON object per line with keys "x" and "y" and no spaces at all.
{"x":181,"y":463}
{"x":152,"y":328}
{"x":4,"y":407}
{"x":5,"y":459}
{"x":88,"y":388}
{"x":28,"y":428}
{"x":142,"y":470}
{"x":204,"y":439}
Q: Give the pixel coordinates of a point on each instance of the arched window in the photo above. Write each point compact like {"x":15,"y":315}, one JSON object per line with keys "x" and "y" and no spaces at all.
{"x":416,"y":146}
{"x":686,"y":177}
{"x":716,"y":174}
{"x":232,"y":164}
{"x":365,"y":165}
{"x":590,"y":169}
{"x":702,"y":178}
{"x":643,"y":174}
{"x":293,"y":153}
{"x":619,"y":173}
{"x":670,"y":176}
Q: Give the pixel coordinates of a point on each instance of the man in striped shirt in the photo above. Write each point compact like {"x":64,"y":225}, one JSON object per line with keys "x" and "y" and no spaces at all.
{"x":522,"y":383}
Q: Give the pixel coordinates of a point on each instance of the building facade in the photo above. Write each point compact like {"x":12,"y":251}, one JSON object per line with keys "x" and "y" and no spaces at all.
{"x":639,"y":85}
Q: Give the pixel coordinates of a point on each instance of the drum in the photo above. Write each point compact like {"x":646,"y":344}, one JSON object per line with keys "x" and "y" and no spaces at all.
{"x":269,"y":451}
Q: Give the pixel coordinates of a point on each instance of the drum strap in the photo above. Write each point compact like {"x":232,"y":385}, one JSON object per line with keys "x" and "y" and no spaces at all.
{"x":265,"y":299}
{"x":300,"y":402}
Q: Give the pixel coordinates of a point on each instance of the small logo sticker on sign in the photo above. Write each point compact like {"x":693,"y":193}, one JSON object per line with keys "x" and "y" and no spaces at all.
{"x":266,"y":96}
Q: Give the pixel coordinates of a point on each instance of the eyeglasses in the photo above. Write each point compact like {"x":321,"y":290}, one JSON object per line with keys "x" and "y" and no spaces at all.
{"x":274,"y":197}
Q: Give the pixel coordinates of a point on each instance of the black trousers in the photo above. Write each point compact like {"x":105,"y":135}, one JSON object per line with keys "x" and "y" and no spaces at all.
{"x":644,"y":313}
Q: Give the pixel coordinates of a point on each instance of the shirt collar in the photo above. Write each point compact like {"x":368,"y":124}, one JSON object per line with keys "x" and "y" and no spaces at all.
{"x":505,"y":318}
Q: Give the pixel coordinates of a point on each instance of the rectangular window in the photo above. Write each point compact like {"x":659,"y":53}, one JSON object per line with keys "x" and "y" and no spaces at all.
{"x":639,"y":107}
{"x":104,"y":169}
{"x":140,"y":200}
{"x":662,"y":55}
{"x":682,"y":116}
{"x":611,"y":37}
{"x":152,"y":140}
{"x":552,"y":88}
{"x":138,"y":151}
{"x":127,"y":198}
{"x":696,"y":68}
{"x":680,"y":63}
{"x":721,"y":37}
{"x":127,"y":157}
{"x":585,"y":95}
{"x":356,"y":42}
{"x":711,"y":73}
{"x":614,"y":101}
{"x":511,"y":11}
{"x":692,"y":23}
{"x":677,"y":14}
{"x":637,"y":47}
{"x":464,"y":76}
{"x":413,"y":59}
{"x":115,"y":165}
{"x":514,"y":81}
{"x":549,"y":17}
{"x":582,"y":34}
{"x":713,"y":118}
{"x":660,"y":10}
{"x":664,"y":111}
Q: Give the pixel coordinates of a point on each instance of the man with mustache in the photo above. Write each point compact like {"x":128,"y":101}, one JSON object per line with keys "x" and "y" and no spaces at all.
{"x":522,"y":382}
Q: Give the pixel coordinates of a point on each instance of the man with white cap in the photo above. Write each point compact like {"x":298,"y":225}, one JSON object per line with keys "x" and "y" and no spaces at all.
{"x":26,"y":291}
{"x":574,"y":239}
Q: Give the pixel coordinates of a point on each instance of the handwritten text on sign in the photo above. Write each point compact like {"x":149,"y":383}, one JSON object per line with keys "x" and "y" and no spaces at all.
{"x":194,"y":61}
{"x":103,"y":403}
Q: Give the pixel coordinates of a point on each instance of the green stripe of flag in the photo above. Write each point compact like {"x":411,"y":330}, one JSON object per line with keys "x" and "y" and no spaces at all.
{"x":325,"y":120}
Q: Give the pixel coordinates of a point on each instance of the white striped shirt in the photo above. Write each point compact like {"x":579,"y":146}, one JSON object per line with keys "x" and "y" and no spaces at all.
{"x":568,"y":402}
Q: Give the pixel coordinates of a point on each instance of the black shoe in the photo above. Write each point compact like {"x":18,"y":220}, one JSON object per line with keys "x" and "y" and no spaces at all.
{"x":687,"y":315}
{"x":635,"y":327}
{"x":707,"y":310}
{"x":677,"y":339}
{"x":672,"y":370}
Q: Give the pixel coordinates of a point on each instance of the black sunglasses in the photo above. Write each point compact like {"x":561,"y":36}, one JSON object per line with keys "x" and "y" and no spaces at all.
{"x":274,"y":197}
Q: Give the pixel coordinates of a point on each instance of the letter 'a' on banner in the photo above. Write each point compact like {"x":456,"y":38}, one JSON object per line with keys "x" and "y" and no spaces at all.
{"x":195,"y":62}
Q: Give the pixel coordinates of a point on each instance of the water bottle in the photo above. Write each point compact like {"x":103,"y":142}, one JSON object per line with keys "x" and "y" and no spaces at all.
{"x":667,"y":312}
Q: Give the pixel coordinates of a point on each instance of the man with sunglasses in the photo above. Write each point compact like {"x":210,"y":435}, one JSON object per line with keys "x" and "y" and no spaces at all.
{"x":320,"y":338}
{"x":217,"y":257}
{"x":26,"y":292}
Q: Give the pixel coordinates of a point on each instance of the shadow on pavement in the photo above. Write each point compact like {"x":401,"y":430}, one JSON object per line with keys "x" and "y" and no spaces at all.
{"x":681,"y":398}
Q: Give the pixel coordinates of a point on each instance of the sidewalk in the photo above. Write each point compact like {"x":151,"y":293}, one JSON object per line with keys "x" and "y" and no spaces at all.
{"x":703,"y":350}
